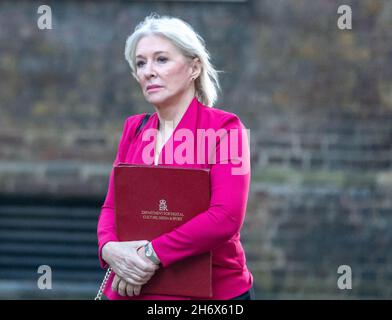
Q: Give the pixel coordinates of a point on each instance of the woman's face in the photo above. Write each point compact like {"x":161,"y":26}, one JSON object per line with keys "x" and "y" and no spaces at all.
{"x":159,"y":63}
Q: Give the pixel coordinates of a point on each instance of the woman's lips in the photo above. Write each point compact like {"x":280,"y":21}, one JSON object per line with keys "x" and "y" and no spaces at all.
{"x":153,"y":88}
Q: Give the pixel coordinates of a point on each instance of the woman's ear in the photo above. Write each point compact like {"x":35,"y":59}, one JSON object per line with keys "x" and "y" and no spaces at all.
{"x":196,"y":67}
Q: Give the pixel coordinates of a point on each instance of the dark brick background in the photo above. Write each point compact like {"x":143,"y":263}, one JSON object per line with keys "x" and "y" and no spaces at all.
{"x":317,"y":101}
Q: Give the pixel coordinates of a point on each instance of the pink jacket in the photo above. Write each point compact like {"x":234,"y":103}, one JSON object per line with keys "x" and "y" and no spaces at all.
{"x":218,"y":228}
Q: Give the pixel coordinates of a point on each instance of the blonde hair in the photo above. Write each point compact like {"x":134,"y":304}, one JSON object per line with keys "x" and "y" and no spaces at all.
{"x":183,"y":36}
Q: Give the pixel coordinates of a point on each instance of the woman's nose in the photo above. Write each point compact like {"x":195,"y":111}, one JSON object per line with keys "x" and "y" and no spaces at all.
{"x":149,"y":70}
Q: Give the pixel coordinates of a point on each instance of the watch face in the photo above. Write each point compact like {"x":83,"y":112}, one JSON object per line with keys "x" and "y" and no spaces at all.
{"x":148,"y":251}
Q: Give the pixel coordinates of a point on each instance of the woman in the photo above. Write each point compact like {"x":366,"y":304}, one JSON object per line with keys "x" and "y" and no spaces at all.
{"x":171,"y":64}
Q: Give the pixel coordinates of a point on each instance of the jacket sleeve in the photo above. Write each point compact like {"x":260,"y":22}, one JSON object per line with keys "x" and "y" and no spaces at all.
{"x":106,"y":229}
{"x":225,"y":216}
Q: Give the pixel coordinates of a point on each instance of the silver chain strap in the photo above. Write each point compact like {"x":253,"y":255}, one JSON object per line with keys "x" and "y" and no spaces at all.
{"x":103,"y":285}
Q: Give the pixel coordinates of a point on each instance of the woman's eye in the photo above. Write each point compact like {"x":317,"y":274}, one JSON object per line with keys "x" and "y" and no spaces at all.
{"x":139,"y":63}
{"x":162,"y":59}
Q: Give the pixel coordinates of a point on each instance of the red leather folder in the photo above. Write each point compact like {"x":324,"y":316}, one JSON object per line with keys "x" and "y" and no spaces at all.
{"x":153,"y":200}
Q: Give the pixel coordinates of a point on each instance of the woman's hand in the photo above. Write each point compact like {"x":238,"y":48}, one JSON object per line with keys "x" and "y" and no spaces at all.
{"x":123,"y":288}
{"x":126,"y":262}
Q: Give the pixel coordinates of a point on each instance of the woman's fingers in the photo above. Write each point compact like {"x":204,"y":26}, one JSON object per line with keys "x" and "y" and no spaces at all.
{"x":140,"y":267}
{"x":129,"y":290}
{"x":124,"y":272}
{"x":124,"y":288}
{"x":136,"y":290}
{"x":137,"y":277}
{"x":133,"y":290}
{"x":134,"y":282}
{"x":129,"y":266}
{"x":115,"y":282}
{"x":125,"y":259}
{"x":138,"y":243}
{"x":121,"y":288}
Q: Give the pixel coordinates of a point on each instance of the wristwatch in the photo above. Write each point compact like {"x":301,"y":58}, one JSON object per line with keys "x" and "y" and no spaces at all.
{"x":150,"y":253}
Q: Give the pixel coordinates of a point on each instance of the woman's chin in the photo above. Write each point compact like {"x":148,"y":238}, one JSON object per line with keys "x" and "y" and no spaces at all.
{"x":155,"y":100}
